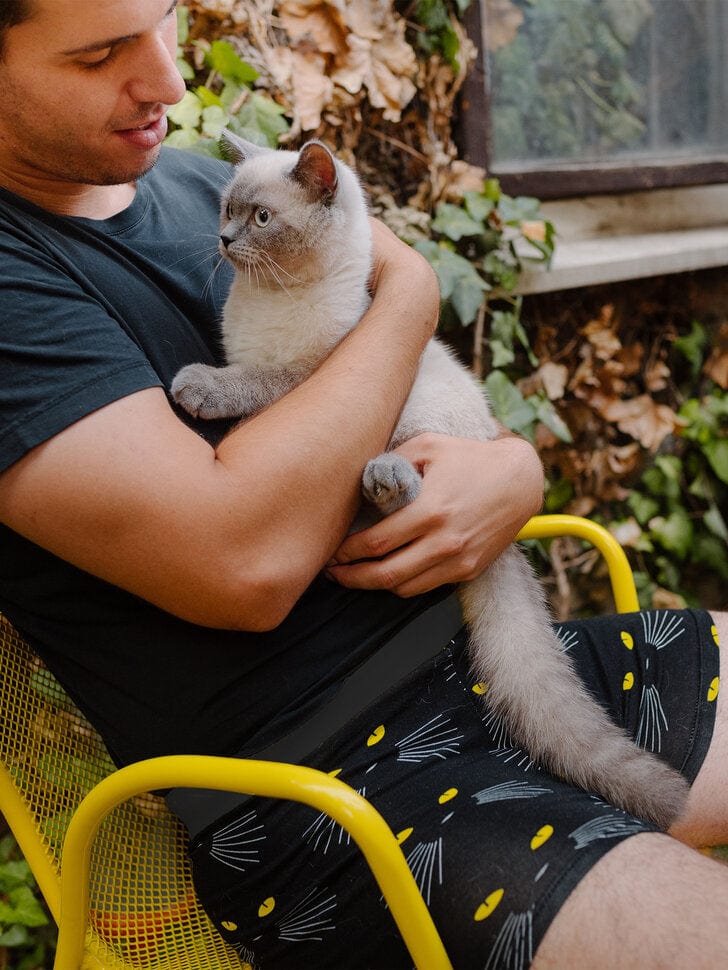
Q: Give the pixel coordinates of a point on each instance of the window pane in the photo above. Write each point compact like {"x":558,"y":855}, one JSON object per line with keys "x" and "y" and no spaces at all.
{"x":602,"y":80}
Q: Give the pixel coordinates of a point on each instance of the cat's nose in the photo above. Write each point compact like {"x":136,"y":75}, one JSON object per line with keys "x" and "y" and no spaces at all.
{"x":225,"y":239}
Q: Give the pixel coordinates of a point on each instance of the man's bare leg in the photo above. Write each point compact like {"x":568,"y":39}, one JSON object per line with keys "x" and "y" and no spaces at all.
{"x":653,"y":903}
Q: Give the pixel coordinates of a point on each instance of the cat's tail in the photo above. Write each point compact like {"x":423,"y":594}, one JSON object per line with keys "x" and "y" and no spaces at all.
{"x":544,"y":706}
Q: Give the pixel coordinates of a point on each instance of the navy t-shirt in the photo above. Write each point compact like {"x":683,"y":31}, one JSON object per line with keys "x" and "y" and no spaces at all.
{"x":91,"y":311}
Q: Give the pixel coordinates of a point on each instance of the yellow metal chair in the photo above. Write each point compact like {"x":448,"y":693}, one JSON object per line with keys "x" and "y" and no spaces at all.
{"x":110,"y":858}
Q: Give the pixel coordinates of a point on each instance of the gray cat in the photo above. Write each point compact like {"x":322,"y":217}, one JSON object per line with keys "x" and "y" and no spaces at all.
{"x":295,"y":227}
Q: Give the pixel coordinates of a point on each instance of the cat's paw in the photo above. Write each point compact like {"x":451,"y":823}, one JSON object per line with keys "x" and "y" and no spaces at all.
{"x":390,"y":482}
{"x":204,"y":392}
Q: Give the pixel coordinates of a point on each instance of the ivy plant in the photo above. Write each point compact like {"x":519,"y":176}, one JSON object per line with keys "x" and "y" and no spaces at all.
{"x":226,"y":99}
{"x":26,"y":933}
{"x":478,"y":249}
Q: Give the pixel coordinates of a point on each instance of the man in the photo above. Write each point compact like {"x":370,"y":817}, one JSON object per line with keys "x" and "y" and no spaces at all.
{"x":170,"y":571}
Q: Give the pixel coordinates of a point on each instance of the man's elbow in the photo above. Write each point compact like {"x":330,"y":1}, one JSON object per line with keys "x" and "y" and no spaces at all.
{"x":253,"y":603}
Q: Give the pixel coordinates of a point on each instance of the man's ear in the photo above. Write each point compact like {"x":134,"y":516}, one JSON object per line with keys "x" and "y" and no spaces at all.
{"x":315,"y":170}
{"x":235,"y":149}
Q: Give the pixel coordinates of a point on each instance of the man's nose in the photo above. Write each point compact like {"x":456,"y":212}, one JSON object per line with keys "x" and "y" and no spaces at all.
{"x":157,"y":80}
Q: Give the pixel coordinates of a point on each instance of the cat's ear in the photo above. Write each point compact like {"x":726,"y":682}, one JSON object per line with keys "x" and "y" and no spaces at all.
{"x":315,"y":170}
{"x":235,"y":149}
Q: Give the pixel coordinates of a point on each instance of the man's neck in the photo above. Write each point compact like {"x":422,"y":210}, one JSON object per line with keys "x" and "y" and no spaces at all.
{"x":70,"y":199}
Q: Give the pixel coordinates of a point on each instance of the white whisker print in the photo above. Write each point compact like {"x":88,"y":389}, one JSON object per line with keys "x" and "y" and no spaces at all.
{"x":325,"y":828}
{"x":307,"y":920}
{"x":433,"y":740}
{"x":604,"y":827}
{"x":425,"y":860}
{"x":652,"y":720}
{"x":509,"y":790}
{"x":567,"y":639}
{"x":497,"y":726}
{"x":245,"y":954}
{"x":522,"y":758}
{"x":662,"y":628}
{"x":513,"y":947}
{"x":234,"y":846}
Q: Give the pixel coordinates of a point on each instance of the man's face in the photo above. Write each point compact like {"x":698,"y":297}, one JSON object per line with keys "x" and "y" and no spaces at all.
{"x":86,"y":84}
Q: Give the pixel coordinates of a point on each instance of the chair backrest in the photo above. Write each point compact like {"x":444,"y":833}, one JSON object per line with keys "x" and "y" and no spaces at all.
{"x":144,"y":913}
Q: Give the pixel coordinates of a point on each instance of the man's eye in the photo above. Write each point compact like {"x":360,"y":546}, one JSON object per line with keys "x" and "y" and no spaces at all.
{"x":262,"y":217}
{"x":97,"y":58}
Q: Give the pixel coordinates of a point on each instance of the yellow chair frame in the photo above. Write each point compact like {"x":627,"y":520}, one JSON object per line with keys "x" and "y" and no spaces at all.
{"x":52,"y":788}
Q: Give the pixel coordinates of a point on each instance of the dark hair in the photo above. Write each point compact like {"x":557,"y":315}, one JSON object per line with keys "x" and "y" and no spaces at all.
{"x":12,"y":12}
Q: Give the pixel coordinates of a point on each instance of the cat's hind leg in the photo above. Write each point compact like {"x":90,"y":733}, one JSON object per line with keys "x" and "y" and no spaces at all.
{"x":390,"y":482}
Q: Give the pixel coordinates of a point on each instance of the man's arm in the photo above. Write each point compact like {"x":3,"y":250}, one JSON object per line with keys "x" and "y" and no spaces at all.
{"x":230,"y":537}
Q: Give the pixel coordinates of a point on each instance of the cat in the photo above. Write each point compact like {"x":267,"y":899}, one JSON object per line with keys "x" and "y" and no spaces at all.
{"x":295,"y":226}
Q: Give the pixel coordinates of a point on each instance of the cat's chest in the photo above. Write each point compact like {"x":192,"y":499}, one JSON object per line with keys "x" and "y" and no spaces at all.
{"x":289,"y":327}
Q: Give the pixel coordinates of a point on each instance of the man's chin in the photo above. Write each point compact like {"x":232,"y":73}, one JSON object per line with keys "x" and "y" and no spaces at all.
{"x":120,"y":176}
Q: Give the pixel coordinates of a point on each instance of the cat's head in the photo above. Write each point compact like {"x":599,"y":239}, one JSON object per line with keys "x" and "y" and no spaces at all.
{"x":287,"y":216}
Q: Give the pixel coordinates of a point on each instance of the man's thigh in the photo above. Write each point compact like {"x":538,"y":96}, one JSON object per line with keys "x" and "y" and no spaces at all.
{"x":649,"y":904}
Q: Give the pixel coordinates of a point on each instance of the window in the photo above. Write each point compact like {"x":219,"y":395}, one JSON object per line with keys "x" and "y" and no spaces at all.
{"x":572,"y":97}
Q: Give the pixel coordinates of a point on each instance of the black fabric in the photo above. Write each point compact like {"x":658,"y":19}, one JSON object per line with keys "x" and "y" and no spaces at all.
{"x":495,"y":843}
{"x":90,"y":312}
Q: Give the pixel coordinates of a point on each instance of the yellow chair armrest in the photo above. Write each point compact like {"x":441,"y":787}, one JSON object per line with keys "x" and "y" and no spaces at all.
{"x":620,"y":573}
{"x":269,"y":779}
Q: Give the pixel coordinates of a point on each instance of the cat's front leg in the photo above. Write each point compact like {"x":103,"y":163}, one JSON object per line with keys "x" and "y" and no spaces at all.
{"x":390,"y":482}
{"x":229,"y":392}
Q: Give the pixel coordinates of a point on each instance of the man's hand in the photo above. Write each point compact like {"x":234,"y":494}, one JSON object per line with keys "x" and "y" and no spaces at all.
{"x":475,"y":498}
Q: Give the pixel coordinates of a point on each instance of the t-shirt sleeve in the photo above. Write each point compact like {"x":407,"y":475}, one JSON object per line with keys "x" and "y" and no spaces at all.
{"x":62,"y":356}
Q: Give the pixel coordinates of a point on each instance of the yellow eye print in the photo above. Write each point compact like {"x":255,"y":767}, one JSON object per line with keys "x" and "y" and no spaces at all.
{"x":447,"y":795}
{"x":404,"y":835}
{"x":714,"y":632}
{"x":229,"y":925}
{"x":376,"y":736}
{"x":628,"y":682}
{"x":480,"y":688}
{"x":335,"y":773}
{"x":266,"y":907}
{"x":627,"y":639}
{"x":488,"y":905}
{"x":543,"y":835}
{"x":714,"y":688}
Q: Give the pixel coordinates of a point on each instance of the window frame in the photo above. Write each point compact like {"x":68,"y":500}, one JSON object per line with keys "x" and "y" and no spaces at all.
{"x":563,"y":180}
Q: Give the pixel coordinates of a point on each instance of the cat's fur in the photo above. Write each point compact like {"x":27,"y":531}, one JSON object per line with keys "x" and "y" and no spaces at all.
{"x":295,"y":227}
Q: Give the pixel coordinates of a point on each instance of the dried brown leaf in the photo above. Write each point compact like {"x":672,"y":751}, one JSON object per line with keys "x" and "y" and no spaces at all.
{"x":642,"y":419}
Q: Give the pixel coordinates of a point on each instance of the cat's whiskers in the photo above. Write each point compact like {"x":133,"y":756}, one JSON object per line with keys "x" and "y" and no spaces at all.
{"x":276,"y":271}
{"x":208,"y":285}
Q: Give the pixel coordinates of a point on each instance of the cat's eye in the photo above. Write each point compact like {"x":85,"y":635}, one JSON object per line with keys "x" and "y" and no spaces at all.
{"x":229,"y":211}
{"x":262,"y":217}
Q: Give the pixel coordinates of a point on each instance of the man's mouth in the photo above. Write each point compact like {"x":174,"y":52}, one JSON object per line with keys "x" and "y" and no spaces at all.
{"x":147,"y":135}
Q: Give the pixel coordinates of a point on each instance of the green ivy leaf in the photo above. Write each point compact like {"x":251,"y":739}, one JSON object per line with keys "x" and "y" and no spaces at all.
{"x":187,"y":113}
{"x":22,"y":908}
{"x":643,"y":507}
{"x":692,"y":345}
{"x":214,"y":120}
{"x":674,"y":532}
{"x":509,"y":405}
{"x":459,"y":281}
{"x":716,"y":523}
{"x":548,"y":415}
{"x":717,"y":454}
{"x":478,"y":205}
{"x":222,"y":58}
{"x":454,"y":222}
{"x":516,"y":210}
